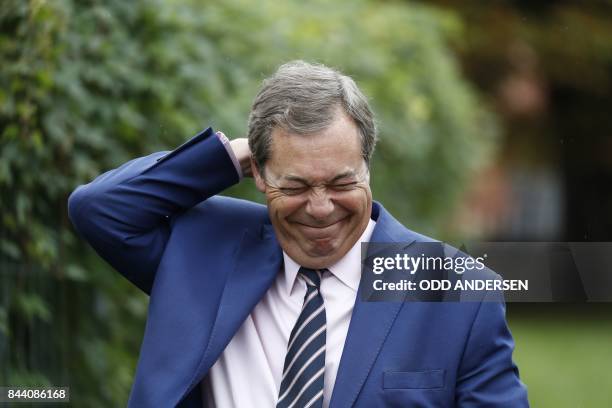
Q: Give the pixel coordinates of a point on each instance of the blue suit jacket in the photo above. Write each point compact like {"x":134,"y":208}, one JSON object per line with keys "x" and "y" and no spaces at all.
{"x":207,"y":260}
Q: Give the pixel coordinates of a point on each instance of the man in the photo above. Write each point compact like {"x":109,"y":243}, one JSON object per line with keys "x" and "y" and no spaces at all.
{"x":256,"y":307}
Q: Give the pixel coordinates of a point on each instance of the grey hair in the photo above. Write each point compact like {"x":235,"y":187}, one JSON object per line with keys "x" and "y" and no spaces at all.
{"x":303,"y":98}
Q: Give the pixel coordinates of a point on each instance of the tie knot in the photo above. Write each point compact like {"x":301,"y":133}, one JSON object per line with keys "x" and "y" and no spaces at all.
{"x":311,"y":276}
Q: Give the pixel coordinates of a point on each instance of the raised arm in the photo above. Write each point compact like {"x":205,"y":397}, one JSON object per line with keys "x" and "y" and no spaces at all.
{"x":126,"y":213}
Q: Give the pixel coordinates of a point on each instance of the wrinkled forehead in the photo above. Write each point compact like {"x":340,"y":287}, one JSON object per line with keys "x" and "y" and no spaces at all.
{"x":318,"y":157}
{"x":318,"y":175}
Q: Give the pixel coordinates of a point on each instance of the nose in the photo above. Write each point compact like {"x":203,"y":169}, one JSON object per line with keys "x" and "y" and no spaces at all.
{"x":319,"y":205}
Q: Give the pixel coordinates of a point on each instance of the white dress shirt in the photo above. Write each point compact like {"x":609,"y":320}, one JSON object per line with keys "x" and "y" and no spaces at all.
{"x":249,"y":371}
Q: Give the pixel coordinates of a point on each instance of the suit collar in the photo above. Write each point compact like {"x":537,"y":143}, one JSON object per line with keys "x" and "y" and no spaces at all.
{"x":257,"y":261}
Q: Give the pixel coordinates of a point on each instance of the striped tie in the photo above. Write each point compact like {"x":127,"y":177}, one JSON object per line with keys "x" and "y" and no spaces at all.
{"x":302,"y":383}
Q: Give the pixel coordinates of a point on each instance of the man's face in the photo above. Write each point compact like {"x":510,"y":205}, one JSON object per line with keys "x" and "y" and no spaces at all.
{"x":318,"y":192}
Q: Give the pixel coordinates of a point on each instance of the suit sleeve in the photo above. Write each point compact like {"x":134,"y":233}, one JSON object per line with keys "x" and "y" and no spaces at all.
{"x":487,"y":376}
{"x":126,"y":213}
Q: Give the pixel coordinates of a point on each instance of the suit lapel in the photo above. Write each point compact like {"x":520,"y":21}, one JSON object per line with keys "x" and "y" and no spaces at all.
{"x":370,"y":324}
{"x":258,"y":260}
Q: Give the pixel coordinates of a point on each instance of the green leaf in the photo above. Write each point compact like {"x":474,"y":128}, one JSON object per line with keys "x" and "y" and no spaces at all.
{"x":32,"y":306}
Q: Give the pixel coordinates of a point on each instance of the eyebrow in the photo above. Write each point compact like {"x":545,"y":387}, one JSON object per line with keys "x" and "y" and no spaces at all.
{"x":336,"y":178}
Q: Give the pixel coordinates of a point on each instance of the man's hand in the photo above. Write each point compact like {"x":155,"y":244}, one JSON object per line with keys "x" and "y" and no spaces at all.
{"x":242,"y":152}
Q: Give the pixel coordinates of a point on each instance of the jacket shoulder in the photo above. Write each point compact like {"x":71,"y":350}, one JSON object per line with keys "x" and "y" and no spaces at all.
{"x":226,"y":211}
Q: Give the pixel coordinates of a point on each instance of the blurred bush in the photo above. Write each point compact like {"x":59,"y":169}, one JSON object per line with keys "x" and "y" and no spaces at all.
{"x":87,"y":85}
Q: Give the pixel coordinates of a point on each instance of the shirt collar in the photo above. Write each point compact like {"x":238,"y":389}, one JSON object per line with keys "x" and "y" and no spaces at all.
{"x":347,"y":269}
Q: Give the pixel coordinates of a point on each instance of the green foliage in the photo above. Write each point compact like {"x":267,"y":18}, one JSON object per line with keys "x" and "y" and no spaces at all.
{"x":87,"y":85}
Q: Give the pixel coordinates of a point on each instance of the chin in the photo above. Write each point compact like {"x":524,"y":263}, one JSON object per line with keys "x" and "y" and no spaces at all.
{"x":323,"y":249}
{"x":322,"y":260}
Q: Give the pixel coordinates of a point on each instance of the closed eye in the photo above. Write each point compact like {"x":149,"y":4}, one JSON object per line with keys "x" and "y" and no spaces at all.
{"x":344,"y":186}
{"x":300,"y":190}
{"x":293,"y":190}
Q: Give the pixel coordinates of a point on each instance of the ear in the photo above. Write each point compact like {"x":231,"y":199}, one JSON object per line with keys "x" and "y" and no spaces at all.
{"x":259,"y":182}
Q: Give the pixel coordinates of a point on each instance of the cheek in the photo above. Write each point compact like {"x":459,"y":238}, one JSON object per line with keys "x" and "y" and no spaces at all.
{"x":356,"y":201}
{"x":284,"y":206}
